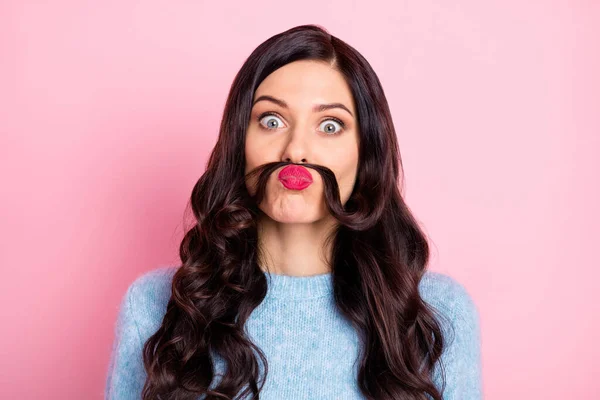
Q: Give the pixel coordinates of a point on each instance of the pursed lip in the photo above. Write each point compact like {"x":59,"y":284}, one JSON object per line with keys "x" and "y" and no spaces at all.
{"x":296,"y":173}
{"x":295,"y":177}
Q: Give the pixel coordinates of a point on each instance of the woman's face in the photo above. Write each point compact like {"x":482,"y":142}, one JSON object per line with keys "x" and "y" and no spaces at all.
{"x":302,"y":134}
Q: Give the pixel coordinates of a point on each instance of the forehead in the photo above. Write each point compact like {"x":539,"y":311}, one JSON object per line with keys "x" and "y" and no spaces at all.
{"x":306,"y":82}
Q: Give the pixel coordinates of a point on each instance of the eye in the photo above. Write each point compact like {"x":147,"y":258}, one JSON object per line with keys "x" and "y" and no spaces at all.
{"x":271,"y":121}
{"x":330,"y":127}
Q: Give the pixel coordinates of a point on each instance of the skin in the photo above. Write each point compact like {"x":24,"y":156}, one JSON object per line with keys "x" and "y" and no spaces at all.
{"x":293,"y":224}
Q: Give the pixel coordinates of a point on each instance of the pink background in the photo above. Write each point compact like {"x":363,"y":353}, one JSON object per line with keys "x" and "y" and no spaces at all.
{"x":108,"y":111}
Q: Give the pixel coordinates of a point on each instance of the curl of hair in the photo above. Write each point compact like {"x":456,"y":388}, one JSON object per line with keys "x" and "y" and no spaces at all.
{"x":379,"y":252}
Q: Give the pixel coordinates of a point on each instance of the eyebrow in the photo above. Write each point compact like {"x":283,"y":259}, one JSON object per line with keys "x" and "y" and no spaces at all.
{"x":316,"y":108}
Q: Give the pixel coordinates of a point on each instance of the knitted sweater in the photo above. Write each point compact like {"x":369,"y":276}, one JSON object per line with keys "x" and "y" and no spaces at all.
{"x":311,"y":350}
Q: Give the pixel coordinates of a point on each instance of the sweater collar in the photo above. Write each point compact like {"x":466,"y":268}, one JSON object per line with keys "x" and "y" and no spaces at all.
{"x":298,"y":287}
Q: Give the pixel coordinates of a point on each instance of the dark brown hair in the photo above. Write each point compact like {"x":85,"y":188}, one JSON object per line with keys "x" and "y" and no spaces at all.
{"x":379,"y":252}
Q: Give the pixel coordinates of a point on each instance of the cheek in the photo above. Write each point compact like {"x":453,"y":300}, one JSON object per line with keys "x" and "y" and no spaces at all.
{"x":250,"y":153}
{"x":252,"y":147}
{"x":255,"y":156}
{"x":258,"y":151}
{"x":348,"y":173}
{"x":252,"y":159}
{"x":343,"y":161}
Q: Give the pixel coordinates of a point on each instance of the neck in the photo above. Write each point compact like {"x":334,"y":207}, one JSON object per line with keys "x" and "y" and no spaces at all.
{"x":295,"y":249}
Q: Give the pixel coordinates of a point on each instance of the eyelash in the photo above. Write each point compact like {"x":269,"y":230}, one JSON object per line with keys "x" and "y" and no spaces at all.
{"x":261,"y":116}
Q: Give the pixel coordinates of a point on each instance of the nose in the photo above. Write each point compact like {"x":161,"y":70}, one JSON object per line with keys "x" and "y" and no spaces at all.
{"x":296,"y":150}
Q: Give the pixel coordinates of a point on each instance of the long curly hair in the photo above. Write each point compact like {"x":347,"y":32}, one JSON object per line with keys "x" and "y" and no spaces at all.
{"x":379,"y":252}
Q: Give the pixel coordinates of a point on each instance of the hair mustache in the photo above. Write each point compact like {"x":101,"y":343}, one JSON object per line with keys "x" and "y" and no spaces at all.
{"x":332,"y":190}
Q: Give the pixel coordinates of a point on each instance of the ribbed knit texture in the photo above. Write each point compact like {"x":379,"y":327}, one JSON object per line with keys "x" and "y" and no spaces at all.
{"x":311,"y":350}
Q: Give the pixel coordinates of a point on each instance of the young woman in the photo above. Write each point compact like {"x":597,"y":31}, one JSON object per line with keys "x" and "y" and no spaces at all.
{"x":304,"y":276}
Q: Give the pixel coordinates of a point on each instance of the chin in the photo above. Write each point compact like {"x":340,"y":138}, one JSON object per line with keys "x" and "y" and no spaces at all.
{"x":297,"y":216}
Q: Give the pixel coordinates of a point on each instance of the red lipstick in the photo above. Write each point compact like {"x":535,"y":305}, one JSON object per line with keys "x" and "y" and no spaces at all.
{"x":295,"y":177}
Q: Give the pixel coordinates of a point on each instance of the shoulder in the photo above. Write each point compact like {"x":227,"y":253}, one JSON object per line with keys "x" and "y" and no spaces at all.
{"x":153,"y":283}
{"x":459,"y":320}
{"x":448,"y":296}
{"x":147,"y":297}
{"x":141,"y":311}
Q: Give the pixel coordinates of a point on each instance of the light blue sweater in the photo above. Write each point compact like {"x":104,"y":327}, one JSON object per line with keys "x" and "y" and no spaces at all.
{"x":309,"y":347}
